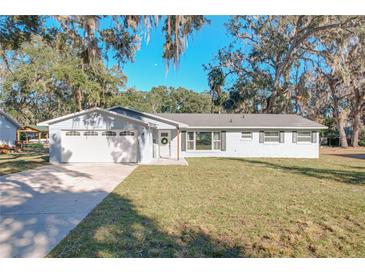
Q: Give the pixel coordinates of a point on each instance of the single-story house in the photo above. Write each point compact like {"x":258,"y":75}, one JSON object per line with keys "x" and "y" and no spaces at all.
{"x":121,"y":134}
{"x":8,"y":128}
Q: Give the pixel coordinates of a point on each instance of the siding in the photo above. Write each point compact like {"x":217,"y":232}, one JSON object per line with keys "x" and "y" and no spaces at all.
{"x":7,"y":131}
{"x":236,"y":147}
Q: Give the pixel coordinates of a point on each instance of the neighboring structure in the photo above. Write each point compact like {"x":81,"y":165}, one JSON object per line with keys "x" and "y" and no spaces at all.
{"x":124,"y":135}
{"x":33,"y":134}
{"x":8,"y":128}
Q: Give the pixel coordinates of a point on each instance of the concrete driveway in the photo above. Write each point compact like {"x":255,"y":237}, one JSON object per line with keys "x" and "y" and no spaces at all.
{"x":39,"y":207}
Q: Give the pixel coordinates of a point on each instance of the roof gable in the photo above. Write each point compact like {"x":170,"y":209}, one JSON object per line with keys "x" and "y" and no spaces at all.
{"x":83,"y":112}
{"x":11,"y":119}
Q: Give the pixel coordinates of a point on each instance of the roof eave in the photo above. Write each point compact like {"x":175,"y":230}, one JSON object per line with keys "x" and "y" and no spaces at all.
{"x":76,"y":114}
{"x":257,"y":127}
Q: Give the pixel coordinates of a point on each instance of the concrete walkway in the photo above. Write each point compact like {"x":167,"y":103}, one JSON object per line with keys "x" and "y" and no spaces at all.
{"x":39,"y":207}
{"x":167,"y":162}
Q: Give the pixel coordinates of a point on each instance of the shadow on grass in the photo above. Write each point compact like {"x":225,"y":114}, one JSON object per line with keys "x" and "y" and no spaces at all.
{"x":17,"y":162}
{"x":344,"y":176}
{"x":353,"y":156}
{"x":116,"y":229}
{"x":22,"y":165}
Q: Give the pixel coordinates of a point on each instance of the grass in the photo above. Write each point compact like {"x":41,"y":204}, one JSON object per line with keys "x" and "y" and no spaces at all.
{"x":32,"y":156}
{"x":219,"y":207}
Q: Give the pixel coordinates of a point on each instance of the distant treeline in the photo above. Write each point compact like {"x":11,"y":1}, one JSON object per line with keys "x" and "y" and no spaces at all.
{"x":164,"y":99}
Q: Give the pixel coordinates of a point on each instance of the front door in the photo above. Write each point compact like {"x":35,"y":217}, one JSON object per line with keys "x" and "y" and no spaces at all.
{"x":164,"y":139}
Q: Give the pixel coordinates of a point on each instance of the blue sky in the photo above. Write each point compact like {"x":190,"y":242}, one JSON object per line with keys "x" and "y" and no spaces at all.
{"x":148,"y":70}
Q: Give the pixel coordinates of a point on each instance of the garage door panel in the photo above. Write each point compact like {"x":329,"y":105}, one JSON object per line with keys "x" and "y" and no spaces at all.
{"x":98,"y":146}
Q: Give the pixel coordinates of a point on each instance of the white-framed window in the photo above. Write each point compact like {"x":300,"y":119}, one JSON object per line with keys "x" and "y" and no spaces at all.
{"x":271,"y":137}
{"x":73,"y":133}
{"x":216,"y":140}
{"x":246,"y":135}
{"x":109,"y":133}
{"x":203,"y":140}
{"x":304,"y":137}
{"x":190,"y":140}
{"x":91,"y":133}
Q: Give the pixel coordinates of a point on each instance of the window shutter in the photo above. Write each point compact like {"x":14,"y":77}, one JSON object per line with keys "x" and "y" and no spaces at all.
{"x":295,"y":136}
{"x":223,"y":141}
{"x":314,"y":137}
{"x":282,"y":137}
{"x":261,"y":137}
{"x":183,"y":140}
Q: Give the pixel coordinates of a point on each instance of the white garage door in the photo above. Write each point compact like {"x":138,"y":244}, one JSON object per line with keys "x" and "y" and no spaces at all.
{"x":97,"y":146}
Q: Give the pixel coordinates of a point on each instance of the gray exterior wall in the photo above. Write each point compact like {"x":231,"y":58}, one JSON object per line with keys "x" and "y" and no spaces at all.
{"x":238,"y":147}
{"x":7,"y":131}
{"x":98,"y":121}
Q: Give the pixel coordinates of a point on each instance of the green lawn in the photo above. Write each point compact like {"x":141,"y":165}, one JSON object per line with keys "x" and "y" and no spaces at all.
{"x":230,"y":208}
{"x":32,"y":156}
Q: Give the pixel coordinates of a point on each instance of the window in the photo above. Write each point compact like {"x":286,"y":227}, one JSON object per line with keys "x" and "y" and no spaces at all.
{"x":304,"y":136}
{"x":246,"y":135}
{"x":190,"y":141}
{"x":90,"y":133}
{"x":203,"y":140}
{"x":271,"y":137}
{"x":164,"y":134}
{"x":73,"y":133}
{"x":216,"y":140}
{"x":109,"y":133}
{"x":126,"y":133}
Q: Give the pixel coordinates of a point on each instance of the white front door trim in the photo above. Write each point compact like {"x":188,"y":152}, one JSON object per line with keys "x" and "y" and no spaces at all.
{"x":164,"y":143}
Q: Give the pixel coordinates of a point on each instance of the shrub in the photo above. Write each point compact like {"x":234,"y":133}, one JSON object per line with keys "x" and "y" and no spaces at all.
{"x":4,"y":149}
{"x":362,"y":142}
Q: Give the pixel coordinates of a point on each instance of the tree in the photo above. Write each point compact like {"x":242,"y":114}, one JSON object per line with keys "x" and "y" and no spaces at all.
{"x":95,"y":38}
{"x":309,"y":65}
{"x":270,"y":70}
{"x":164,"y":99}
{"x":41,"y":80}
{"x":344,"y":71}
{"x":356,"y":79}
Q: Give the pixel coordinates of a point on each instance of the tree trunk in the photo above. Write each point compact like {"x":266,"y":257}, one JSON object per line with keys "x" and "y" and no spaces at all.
{"x":341,"y":130}
{"x":356,"y":128}
{"x":356,"y":123}
{"x":78,"y":99}
{"x":338,"y":115}
{"x":270,"y":102}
